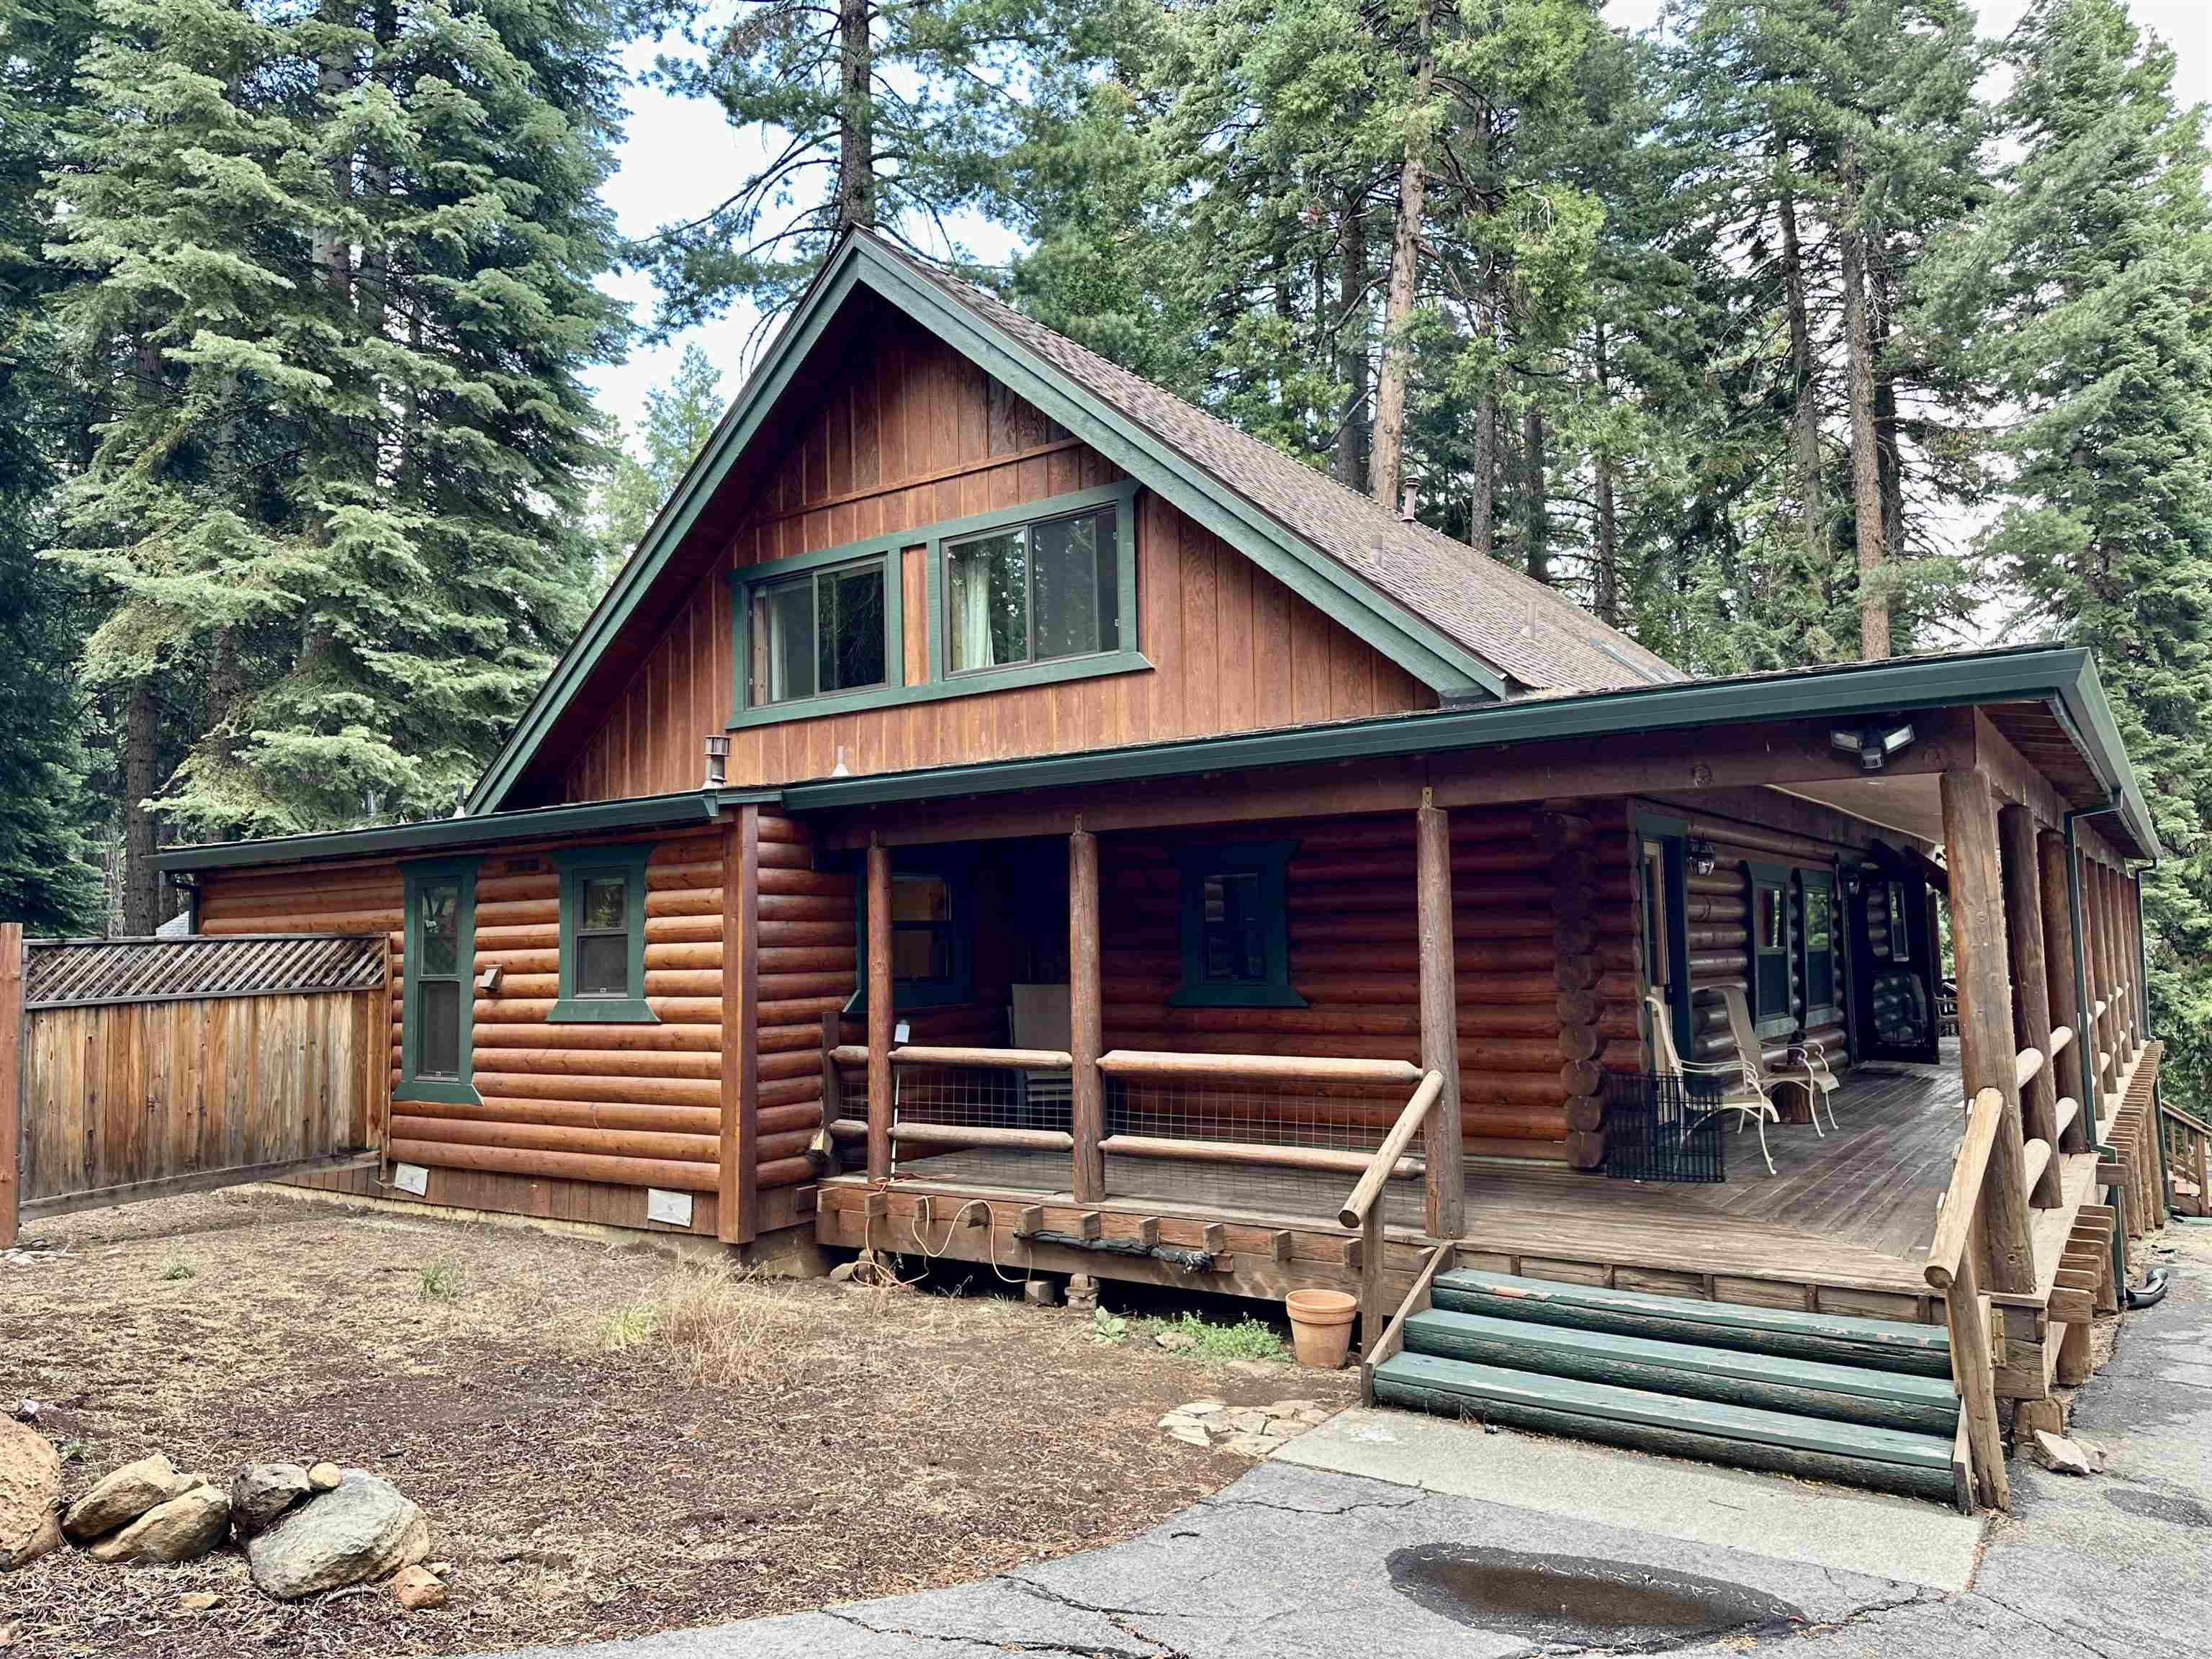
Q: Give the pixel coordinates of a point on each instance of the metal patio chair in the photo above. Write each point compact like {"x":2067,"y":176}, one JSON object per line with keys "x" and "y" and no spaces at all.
{"x":1742,"y":1092}
{"x":1798,"y":1074}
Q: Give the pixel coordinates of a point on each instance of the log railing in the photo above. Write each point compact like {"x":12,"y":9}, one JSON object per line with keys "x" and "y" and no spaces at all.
{"x":1954,"y":1269}
{"x":2188,"y":1150}
{"x":1364,"y":1209}
{"x":939,"y":1135}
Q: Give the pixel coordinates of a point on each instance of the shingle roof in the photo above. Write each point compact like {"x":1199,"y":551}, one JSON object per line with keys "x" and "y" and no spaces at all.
{"x":1532,"y":634}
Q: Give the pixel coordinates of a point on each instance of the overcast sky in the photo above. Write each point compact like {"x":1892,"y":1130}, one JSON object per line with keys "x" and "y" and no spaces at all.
{"x":678,"y":151}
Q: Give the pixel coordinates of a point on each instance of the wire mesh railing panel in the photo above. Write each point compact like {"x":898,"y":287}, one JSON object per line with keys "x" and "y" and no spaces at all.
{"x":1663,"y":1128}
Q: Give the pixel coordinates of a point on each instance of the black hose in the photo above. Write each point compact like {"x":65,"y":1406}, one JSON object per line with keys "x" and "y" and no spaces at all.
{"x":2157,"y":1281}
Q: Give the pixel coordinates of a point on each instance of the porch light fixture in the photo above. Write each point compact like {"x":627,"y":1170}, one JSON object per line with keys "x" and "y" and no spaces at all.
{"x":1703,"y":859}
{"x":718,"y":761}
{"x":1873,"y":744}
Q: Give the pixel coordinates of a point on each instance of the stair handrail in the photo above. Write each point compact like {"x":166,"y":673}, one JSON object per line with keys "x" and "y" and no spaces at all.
{"x":1953,"y":1268}
{"x":1364,"y":1209}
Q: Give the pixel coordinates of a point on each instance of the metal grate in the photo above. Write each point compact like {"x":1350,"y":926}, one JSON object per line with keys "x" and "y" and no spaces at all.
{"x":77,"y":973}
{"x":1663,"y":1128}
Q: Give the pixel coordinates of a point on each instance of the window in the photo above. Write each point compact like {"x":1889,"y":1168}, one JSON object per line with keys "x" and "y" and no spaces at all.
{"x":438,"y":965}
{"x":1034,"y":592}
{"x":1823,"y":1005}
{"x":933,"y":929}
{"x":1234,"y":926}
{"x":603,"y":935}
{"x":819,"y":632}
{"x":1770,"y":949}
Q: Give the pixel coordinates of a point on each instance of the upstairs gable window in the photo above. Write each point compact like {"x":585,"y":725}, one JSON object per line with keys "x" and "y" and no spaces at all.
{"x":819,"y":632}
{"x":1034,"y":592}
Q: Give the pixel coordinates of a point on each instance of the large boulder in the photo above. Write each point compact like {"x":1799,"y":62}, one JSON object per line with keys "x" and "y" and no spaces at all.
{"x":30,"y":1495}
{"x":123,"y":1497}
{"x":184,"y":1528}
{"x":363,"y":1529}
{"x":260,"y":1493}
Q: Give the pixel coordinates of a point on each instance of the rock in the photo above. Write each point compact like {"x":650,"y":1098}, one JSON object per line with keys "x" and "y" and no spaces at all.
{"x":1251,"y":1445}
{"x":260,"y":1493}
{"x":361,"y":1529}
{"x":417,"y":1587}
{"x":184,"y":1528}
{"x":843,"y":1271}
{"x":198,"y":1602}
{"x":2061,"y":1456}
{"x":323,"y":1477}
{"x":1082,"y":1293}
{"x":30,"y":1494}
{"x":1190,"y":1434}
{"x":1176,"y":1341}
{"x":2094,"y":1452}
{"x":123,"y":1497}
{"x":1249,"y":1422}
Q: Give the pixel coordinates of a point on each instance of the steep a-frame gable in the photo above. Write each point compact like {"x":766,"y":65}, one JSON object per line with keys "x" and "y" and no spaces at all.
{"x":1240,"y":561}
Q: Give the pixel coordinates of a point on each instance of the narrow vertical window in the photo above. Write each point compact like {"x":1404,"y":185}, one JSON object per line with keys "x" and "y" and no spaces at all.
{"x":437,"y":968}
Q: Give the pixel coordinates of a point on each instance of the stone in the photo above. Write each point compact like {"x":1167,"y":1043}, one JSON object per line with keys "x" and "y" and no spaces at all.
{"x":1190,"y":1434}
{"x":184,"y":1528}
{"x":1204,"y":1407}
{"x":198,"y":1601}
{"x":1249,"y":1422}
{"x":361,"y":1529}
{"x":323,"y":1477}
{"x":30,"y":1496}
{"x":844,"y":1272}
{"x":1291,"y":1408}
{"x":1083,"y":1294}
{"x":1251,"y":1445}
{"x":260,"y":1493}
{"x":2061,"y":1456}
{"x":123,"y":1497}
{"x":1176,"y":1341}
{"x":2094,"y":1451}
{"x":1040,"y":1293}
{"x":418,"y":1588}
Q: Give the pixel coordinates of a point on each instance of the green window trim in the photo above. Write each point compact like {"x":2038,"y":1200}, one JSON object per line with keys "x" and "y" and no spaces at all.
{"x":1769,"y":1021}
{"x":458,"y":1089}
{"x":745,"y":578}
{"x":577,"y":865}
{"x":957,"y":869}
{"x":1830,"y":1013}
{"x":1122,"y":658}
{"x":1194,"y":865}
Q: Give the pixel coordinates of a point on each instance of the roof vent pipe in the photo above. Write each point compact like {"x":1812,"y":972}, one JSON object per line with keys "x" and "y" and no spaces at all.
{"x":1406,"y":512}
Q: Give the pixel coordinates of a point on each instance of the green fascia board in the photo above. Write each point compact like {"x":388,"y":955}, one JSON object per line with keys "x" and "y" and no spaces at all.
{"x":2087,"y":714}
{"x":2041,"y":674}
{"x":489,"y":829}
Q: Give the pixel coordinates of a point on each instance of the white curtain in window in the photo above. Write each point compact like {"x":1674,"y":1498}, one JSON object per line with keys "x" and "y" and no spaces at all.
{"x":971,"y":608}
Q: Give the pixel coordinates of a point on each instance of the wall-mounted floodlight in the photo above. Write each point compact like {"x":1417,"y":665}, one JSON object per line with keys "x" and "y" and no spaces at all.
{"x":1873,"y":744}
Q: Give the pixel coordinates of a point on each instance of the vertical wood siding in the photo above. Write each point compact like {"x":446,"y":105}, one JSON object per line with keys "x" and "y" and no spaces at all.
{"x":920,"y":435}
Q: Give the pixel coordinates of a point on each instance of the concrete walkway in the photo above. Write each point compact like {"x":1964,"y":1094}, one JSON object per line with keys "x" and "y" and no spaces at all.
{"x":1544,"y":1548}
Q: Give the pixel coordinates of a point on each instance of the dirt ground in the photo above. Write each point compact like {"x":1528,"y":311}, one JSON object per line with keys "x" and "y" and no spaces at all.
{"x":605,"y":1442}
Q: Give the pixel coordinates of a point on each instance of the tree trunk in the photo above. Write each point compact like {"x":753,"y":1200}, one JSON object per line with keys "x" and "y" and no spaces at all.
{"x":1804,"y":409}
{"x":1535,"y":504}
{"x":334,"y":78}
{"x":1888,"y":455}
{"x":1607,"y":597}
{"x":1866,"y":470}
{"x":142,"y":893}
{"x":856,"y":125}
{"x":1482,"y":509}
{"x":1398,"y":312}
{"x":376,"y":189}
{"x":1351,"y":346}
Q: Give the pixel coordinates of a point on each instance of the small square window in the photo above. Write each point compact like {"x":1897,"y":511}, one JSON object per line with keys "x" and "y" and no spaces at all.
{"x":932,"y":925}
{"x":603,"y":935}
{"x":1234,"y":926}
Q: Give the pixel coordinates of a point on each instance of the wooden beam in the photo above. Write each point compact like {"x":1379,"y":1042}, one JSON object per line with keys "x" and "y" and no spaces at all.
{"x":1444,"y":1195}
{"x":11,"y":1079}
{"x":736,"y":1196}
{"x":1085,"y":1018}
{"x":879,"y":1012}
{"x":1986,"y":1035}
{"x":198,"y":1181}
{"x":2031,"y":990}
{"x":2058,"y":949}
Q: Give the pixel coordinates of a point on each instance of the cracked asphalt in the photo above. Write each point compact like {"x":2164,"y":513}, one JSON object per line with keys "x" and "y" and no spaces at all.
{"x":1290,"y":1562}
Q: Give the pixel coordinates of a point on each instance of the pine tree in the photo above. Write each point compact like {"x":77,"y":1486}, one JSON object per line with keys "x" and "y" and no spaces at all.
{"x":337,"y":265}
{"x":679,"y":418}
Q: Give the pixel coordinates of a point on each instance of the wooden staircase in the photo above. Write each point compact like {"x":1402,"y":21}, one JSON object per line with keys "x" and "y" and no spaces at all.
{"x":1864,"y":1401}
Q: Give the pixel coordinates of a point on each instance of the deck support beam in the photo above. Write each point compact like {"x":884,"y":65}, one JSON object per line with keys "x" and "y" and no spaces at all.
{"x":1986,"y":1052}
{"x":881,"y":1013}
{"x":1086,"y":1019}
{"x":2060,"y":977}
{"x":1444,"y":1200}
{"x":2030,"y":993}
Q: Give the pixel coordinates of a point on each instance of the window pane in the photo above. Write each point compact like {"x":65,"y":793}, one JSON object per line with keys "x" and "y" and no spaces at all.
{"x":438,"y":909}
{"x":1235,"y":943}
{"x":850,"y":635}
{"x":606,"y":902}
{"x":782,"y":628}
{"x":1769,"y":918}
{"x":920,"y":899}
{"x":438,"y":1044}
{"x":988,"y":600}
{"x":603,"y":965}
{"x":922,"y":952}
{"x":1075,"y":585}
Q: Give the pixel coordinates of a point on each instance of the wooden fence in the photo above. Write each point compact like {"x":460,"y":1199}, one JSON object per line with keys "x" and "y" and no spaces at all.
{"x":133,"y":1069}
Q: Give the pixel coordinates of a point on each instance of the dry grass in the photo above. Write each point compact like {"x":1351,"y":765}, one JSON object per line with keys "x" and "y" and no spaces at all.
{"x":730,"y":1329}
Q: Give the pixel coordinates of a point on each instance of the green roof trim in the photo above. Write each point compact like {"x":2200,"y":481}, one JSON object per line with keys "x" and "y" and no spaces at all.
{"x":434,"y":835}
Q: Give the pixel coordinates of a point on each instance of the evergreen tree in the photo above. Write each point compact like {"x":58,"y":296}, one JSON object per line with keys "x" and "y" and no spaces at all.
{"x":679,"y":418}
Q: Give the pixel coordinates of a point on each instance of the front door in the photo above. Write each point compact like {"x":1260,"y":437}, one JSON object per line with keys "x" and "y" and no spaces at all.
{"x":1664,"y":872}
{"x":1892,"y":964}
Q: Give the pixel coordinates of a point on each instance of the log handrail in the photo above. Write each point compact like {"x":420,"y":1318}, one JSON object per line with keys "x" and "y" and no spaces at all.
{"x":1000,"y":1060}
{"x":2194,"y":1124}
{"x":2026,"y":1064}
{"x":1962,"y":1199}
{"x":1267,"y":1068}
{"x":2060,"y":1036}
{"x":1952,"y":1269}
{"x":1383,"y":1164}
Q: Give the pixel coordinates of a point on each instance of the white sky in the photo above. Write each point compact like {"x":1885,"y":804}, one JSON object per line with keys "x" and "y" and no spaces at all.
{"x":679,"y":155}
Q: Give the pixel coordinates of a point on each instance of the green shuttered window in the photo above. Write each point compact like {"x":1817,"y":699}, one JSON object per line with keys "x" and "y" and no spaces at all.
{"x":1235,"y":925}
{"x":603,"y":935}
{"x":438,"y":968}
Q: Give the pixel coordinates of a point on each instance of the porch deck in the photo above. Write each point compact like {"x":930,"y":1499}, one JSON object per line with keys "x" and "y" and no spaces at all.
{"x":1842,"y":1224}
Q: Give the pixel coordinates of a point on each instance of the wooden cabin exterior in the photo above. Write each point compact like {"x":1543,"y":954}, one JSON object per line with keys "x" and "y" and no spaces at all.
{"x":1001,"y":810}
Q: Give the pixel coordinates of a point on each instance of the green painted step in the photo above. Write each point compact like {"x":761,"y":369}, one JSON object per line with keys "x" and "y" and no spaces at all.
{"x":1808,"y":1388}
{"x":1815,"y":1447}
{"x":1876,"y":1343}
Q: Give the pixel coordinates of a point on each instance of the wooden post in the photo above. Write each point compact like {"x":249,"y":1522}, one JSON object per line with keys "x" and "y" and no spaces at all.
{"x":2104,"y":1045}
{"x":1085,"y":1018}
{"x":2030,"y":992}
{"x":735,"y":1221}
{"x":2059,"y":980}
{"x":1971,"y":1369}
{"x":1444,"y":1200}
{"x":833,"y":1092}
{"x":1986,"y":1054}
{"x":880,"y":1014}
{"x":11,"y":1080}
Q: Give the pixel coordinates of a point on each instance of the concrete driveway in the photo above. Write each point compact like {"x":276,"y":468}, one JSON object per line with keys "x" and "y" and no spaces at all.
{"x":1484,"y":1545}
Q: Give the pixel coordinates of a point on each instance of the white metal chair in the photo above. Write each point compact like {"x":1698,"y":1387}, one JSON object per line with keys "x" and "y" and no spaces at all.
{"x":1742,"y":1093}
{"x":1817,"y":1081}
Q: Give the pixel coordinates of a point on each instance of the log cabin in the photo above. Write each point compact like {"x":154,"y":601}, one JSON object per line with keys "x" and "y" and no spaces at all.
{"x":1001,"y":813}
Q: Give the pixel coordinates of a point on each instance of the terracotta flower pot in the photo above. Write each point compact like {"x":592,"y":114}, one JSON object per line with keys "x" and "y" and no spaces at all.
{"x":1321,"y":1326}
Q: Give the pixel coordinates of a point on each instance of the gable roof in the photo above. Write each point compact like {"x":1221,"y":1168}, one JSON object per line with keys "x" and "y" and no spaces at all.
{"x":1460,"y":625}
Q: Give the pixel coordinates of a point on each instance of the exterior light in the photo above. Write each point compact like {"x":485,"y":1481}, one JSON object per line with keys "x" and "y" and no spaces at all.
{"x":718,"y":761}
{"x":1702,"y":856}
{"x":1873,"y":744}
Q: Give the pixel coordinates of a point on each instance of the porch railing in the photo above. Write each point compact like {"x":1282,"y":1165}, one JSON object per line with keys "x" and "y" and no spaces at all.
{"x":1364,"y":1209}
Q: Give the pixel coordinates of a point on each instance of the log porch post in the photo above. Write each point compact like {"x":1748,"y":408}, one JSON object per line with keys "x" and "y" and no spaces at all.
{"x":1444,"y":1201}
{"x":735,"y":1203}
{"x":2105,"y":1039}
{"x":1086,"y":1018}
{"x":2059,"y":979}
{"x":879,"y":1010}
{"x":1987,"y":1056}
{"x":11,"y":1079}
{"x":2030,"y":993}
